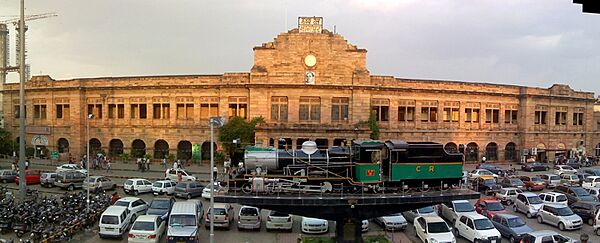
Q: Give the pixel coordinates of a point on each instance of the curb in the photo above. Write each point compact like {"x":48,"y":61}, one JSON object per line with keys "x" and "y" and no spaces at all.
{"x":125,"y":169}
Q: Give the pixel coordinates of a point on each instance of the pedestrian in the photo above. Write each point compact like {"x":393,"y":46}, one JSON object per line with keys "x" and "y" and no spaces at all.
{"x":14,"y":166}
{"x":108,"y":165}
{"x":175,"y":165}
{"x":180,"y":164}
{"x":164,"y":163}
{"x":179,"y":176}
{"x":148,"y":164}
{"x":215,"y":172}
{"x":27,"y":164}
{"x":139,"y":164}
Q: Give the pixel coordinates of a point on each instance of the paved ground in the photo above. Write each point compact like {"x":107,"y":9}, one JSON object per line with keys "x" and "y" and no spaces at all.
{"x":122,"y":171}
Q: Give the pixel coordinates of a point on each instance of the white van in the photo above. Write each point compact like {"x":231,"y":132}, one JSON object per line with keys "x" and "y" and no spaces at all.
{"x":114,"y":222}
{"x":183,"y":223}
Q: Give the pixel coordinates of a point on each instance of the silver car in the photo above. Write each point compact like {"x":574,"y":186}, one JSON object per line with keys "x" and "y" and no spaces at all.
{"x":97,"y":183}
{"x":425,"y":211}
{"x":392,"y":222}
{"x":48,"y":179}
{"x":7,"y":176}
{"x":528,"y":203}
{"x":559,"y":215}
{"x":551,"y":180}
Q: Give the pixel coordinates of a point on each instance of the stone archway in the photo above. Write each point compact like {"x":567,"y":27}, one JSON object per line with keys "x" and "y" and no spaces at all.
{"x":451,"y":148}
{"x":472,"y":152}
{"x":161,"y":149}
{"x":491,"y":151}
{"x":138,"y":148}
{"x":184,"y":150}
{"x":95,"y":147}
{"x":205,"y":149}
{"x":63,"y":145}
{"x":115,"y":147}
{"x":510,"y":152}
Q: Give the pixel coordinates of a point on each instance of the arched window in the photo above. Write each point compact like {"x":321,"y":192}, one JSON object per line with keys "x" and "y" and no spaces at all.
{"x":598,"y":150}
{"x":95,"y":147}
{"x":63,"y":145}
{"x":205,"y":149}
{"x":451,"y":148}
{"x":138,"y":148}
{"x":472,"y":152}
{"x":491,"y":151}
{"x":161,"y":149}
{"x":115,"y":147}
{"x":510,"y":152}
{"x":184,"y":150}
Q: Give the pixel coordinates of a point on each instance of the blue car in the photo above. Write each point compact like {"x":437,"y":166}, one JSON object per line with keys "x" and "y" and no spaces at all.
{"x":511,"y":226}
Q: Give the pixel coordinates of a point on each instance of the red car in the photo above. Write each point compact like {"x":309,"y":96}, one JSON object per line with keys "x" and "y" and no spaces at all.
{"x":31,"y":177}
{"x":533,"y":183}
{"x":489,"y":207}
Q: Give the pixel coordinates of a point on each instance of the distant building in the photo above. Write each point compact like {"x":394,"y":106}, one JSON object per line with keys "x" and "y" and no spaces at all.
{"x":308,"y":84}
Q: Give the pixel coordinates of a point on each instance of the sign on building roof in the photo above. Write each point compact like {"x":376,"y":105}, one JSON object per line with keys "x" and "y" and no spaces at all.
{"x":310,"y":24}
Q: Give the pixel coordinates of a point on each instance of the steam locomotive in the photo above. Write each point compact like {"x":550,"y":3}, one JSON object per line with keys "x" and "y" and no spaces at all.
{"x":369,"y":165}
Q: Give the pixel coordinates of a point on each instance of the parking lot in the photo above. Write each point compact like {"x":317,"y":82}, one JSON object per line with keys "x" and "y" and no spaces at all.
{"x":262,"y":236}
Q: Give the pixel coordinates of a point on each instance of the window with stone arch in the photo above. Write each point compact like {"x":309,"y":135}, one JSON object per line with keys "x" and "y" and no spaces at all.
{"x":451,"y":148}
{"x":472,"y":152}
{"x":491,"y":151}
{"x":598,"y":149}
{"x":510,"y":152}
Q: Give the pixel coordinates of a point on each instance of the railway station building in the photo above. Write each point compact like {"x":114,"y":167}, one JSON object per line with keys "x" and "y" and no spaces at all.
{"x":308,"y":84}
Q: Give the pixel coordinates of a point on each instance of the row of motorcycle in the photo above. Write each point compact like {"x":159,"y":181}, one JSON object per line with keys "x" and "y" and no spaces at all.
{"x":50,"y":218}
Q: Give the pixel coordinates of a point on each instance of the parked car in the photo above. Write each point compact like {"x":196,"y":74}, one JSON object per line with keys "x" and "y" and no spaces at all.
{"x":163,"y":187}
{"x":188,"y":189}
{"x":476,"y":228}
{"x":314,"y":225}
{"x":481,"y":172}
{"x":575,"y":193}
{"x":161,"y":206}
{"x":528,"y":203}
{"x":8,"y":176}
{"x":560,"y":169}
{"x":70,"y":179}
{"x":597,"y":223}
{"x":199,"y":208}
{"x":147,"y":228}
{"x":136,"y":206}
{"x":554,"y":198}
{"x":486,"y":185}
{"x":591,"y":171}
{"x":544,"y":236}
{"x":71,"y":167}
{"x":364,"y":225}
{"x":394,"y":222}
{"x":507,"y":195}
{"x":98,"y":183}
{"x":535,"y":166}
{"x":488,"y":207}
{"x":137,"y":186}
{"x":173,"y":174}
{"x":591,"y":181}
{"x":223,"y":215}
{"x":586,"y":210}
{"x":573,"y":164}
{"x":31,"y":177}
{"x":513,"y":182}
{"x":279,"y":221}
{"x":451,"y":211}
{"x":569,"y":179}
{"x":184,"y":223}
{"x":410,"y":215}
{"x":249,"y":218}
{"x":492,"y":168}
{"x":559,"y":215}
{"x":551,"y":180}
{"x":594,"y":192}
{"x":511,"y":226}
{"x":433,"y":229}
{"x":219,"y":190}
{"x":582,"y":176}
{"x":48,"y":179}
{"x":114,"y":222}
{"x":533,"y":183}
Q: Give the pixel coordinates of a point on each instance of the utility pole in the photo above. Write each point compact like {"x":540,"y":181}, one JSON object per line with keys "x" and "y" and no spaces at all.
{"x":22,"y":181}
{"x":214,"y":121}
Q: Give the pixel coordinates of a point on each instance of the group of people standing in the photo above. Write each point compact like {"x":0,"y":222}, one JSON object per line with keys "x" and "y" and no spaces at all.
{"x":99,"y":162}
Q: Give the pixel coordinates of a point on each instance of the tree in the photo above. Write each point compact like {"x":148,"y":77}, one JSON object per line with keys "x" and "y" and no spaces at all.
{"x":236,"y":128}
{"x":7,"y":145}
{"x":374,"y":126}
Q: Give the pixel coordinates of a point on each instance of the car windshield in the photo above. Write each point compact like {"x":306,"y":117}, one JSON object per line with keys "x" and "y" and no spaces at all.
{"x":536,"y":179}
{"x":554,"y":177}
{"x":463,"y":207}
{"x":218,"y":211}
{"x":90,"y":180}
{"x":129,"y":182}
{"x":534,"y":200}
{"x":278,"y":214}
{"x":561,"y":198}
{"x":564,"y":211}
{"x":182,"y":220}
{"x":516,"y":182}
{"x":157,"y":184}
{"x":160,"y":204}
{"x":122,"y":203}
{"x":494,"y":206}
{"x":143,"y":226}
{"x":109,"y":219}
{"x":426,"y":210}
{"x":483,"y":224}
{"x":249,"y":212}
{"x":566,"y":167}
{"x":485,"y":172}
{"x":488,"y":182}
{"x":515,"y":222}
{"x":580,"y":192}
{"x":181,"y":185}
{"x":438,"y":227}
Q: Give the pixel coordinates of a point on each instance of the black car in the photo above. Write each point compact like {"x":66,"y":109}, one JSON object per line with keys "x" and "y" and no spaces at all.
{"x":487,"y":186}
{"x":513,"y":182}
{"x":573,"y":164}
{"x":586,"y":210}
{"x":575,"y":194}
{"x":595,"y":172}
{"x":535,"y":166}
{"x":161,"y":206}
{"x":582,"y":177}
{"x":492,"y":168}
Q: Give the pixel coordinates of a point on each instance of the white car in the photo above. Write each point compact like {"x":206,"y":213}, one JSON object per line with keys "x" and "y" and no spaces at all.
{"x":136,"y":206}
{"x":314,"y":225}
{"x":507,"y":195}
{"x":147,"y":228}
{"x":137,"y":186}
{"x":433,"y":229}
{"x":279,"y":221}
{"x":560,"y":169}
{"x":71,"y":167}
{"x":365,"y":225}
{"x":392,"y":222}
{"x":554,"y":197}
{"x":219,"y":190}
{"x":591,"y":182}
{"x":481,"y":172}
{"x":163,"y":187}
{"x":173,"y":174}
{"x":476,"y":228}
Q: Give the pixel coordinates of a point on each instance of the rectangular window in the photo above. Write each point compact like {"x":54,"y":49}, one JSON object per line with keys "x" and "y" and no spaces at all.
{"x":429,"y":114}
{"x":96,"y":110}
{"x":472,"y":115}
{"x":406,"y":113}
{"x":185,"y":111}
{"x":451,"y":114}
{"x":310,"y":109}
{"x":39,"y":111}
{"x":380,"y":108}
{"x":209,"y":107}
{"x":238,"y":106}
{"x":339,"y":109}
{"x":492,"y":116}
{"x":121,"y":111}
{"x":510,"y":116}
{"x":59,"y":111}
{"x":560,"y":118}
{"x":161,"y":111}
{"x":577,"y":119}
{"x":541,"y":117}
{"x":116,"y":111}
{"x":112,"y":111}
{"x":279,"y":109}
{"x":139,"y":111}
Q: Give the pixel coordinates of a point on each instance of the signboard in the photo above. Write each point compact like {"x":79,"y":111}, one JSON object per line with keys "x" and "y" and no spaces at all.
{"x":196,"y":154}
{"x":310,"y":24}
{"x":54,"y":155}
{"x":561,"y":146}
{"x":37,"y":130}
{"x":541,"y":146}
{"x":39,"y":140}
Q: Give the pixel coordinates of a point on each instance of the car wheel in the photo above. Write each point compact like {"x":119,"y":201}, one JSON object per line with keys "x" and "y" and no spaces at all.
{"x":591,"y":221}
{"x":529,"y":215}
{"x":456,"y":233}
{"x":512,"y":239}
{"x":135,"y":192}
{"x":539,"y":219}
{"x":71,"y":188}
{"x":189,"y":196}
{"x":416,"y":232}
{"x":561,"y":226}
{"x":4,"y":181}
{"x":531,"y":170}
{"x":547,"y":169}
{"x":597,"y":231}
{"x":515,"y":209}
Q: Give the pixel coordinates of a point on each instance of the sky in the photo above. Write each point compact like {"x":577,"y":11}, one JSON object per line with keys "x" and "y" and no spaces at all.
{"x":522,"y":42}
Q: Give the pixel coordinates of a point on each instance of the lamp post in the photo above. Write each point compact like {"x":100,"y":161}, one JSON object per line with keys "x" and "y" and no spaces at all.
{"x":21,"y":164}
{"x":214,"y":121}
{"x":87,"y":163}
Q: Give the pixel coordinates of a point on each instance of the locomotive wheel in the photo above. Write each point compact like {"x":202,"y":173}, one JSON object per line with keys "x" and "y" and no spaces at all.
{"x":246,"y":188}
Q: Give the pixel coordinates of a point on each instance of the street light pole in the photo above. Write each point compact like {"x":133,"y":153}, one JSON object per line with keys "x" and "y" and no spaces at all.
{"x":212,"y":183}
{"x":87,"y":163}
{"x":21,"y":165}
